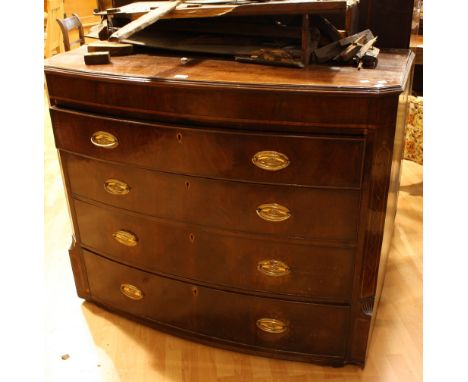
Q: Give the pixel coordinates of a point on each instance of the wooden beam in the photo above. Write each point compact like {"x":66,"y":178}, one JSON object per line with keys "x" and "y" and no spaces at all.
{"x":97,"y":58}
{"x":144,"y":21}
{"x":114,"y":48}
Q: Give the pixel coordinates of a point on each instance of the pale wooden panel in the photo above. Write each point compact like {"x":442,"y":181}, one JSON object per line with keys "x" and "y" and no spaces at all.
{"x":80,"y":7}
{"x":53,"y":42}
{"x":84,"y":9}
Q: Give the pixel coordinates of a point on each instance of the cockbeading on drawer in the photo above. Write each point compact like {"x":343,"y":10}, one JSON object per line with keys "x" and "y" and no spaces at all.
{"x":312,"y":213}
{"x":291,"y":269}
{"x":324,"y":161}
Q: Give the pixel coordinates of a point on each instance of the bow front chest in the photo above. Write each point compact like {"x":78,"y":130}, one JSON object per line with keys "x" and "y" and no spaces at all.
{"x":243,"y":206}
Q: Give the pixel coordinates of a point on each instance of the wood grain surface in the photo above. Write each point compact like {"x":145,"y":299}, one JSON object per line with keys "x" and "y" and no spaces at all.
{"x":191,"y":253}
{"x":325,"y":160}
{"x":105,"y":347}
{"x":208,"y":314}
{"x":389,"y":75}
{"x":328,"y":214}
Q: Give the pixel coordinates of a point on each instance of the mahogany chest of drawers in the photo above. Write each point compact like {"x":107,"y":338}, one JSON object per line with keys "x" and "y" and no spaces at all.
{"x":243,"y":206}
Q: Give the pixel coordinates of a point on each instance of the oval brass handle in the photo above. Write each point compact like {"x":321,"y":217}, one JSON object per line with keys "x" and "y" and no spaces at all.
{"x":104,"y":140}
{"x":131,"y":291}
{"x":271,"y":325}
{"x":270,"y":160}
{"x":116,"y":187}
{"x":126,"y":238}
{"x":273,"y":212}
{"x":273,"y":267}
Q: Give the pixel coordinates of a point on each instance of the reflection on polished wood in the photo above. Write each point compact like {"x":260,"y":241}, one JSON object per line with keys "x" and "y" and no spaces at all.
{"x":105,"y":347}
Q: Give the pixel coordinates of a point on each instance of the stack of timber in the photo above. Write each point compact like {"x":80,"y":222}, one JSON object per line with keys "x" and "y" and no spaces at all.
{"x":357,"y":49}
{"x":274,"y":32}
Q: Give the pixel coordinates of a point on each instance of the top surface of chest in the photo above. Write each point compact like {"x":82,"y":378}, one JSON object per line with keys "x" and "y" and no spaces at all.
{"x":222,"y":93}
{"x":389,"y":76}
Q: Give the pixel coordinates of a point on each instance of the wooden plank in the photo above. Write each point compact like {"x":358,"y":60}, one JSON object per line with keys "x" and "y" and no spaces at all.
{"x":351,"y":39}
{"x":97,"y":58}
{"x":327,"y":52}
{"x":348,"y":53}
{"x":187,"y":42}
{"x":326,"y":28}
{"x":289,"y":7}
{"x":114,"y":49}
{"x":261,"y":60}
{"x":144,"y":21}
{"x":230,"y":27}
{"x":368,"y":45}
{"x":261,"y":8}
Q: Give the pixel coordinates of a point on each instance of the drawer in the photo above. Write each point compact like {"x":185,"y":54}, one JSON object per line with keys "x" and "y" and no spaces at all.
{"x":217,"y":257}
{"x":301,"y":212}
{"x":257,"y":322}
{"x":258,"y":157}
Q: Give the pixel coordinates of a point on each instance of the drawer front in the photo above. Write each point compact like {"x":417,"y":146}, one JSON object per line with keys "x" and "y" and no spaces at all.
{"x":299,"y":212}
{"x":249,"y":320}
{"x":235,"y":261}
{"x":285,"y":159}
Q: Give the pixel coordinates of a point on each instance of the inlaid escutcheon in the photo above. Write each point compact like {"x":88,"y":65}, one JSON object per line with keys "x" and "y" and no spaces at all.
{"x":273,"y":267}
{"x":126,"y":238}
{"x":271,"y":325}
{"x":270,"y":160}
{"x":104,"y":140}
{"x":273,"y":212}
{"x":131,"y":291}
{"x":116,"y":187}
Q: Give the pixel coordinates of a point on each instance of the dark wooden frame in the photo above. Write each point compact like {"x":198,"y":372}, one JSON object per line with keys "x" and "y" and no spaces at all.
{"x":68,"y":24}
{"x":340,"y":107}
{"x":388,"y":19}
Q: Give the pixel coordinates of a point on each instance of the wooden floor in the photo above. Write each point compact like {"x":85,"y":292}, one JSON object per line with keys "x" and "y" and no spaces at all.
{"x":85,"y":343}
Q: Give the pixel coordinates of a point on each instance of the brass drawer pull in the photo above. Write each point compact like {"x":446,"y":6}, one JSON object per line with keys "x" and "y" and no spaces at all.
{"x":131,"y":291}
{"x":271,"y":325}
{"x":270,"y":160}
{"x":126,"y":238}
{"x":116,"y":187}
{"x":104,"y":140}
{"x":273,"y":268}
{"x":273,"y":212}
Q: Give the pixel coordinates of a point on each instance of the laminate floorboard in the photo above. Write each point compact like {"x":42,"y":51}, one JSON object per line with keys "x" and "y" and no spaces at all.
{"x":104,"y":347}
